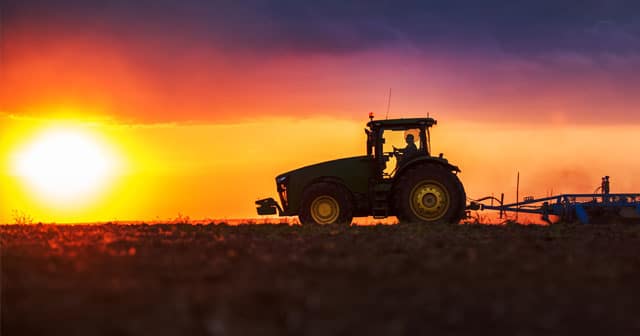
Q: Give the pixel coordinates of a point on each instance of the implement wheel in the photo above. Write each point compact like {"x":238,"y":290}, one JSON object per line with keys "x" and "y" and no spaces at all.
{"x":326,"y":203}
{"x":429,"y":193}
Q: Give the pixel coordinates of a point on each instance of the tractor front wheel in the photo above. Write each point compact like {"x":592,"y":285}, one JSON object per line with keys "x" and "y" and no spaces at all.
{"x":429,"y":194}
{"x":326,"y":203}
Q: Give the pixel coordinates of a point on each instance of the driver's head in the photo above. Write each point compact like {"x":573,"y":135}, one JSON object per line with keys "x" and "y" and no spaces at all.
{"x":409,"y":138}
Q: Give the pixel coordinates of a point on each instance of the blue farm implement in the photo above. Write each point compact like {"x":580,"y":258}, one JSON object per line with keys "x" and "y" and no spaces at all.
{"x":586,"y":208}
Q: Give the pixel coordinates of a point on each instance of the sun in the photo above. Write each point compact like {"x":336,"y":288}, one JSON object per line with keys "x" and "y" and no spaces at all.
{"x":64,"y":165}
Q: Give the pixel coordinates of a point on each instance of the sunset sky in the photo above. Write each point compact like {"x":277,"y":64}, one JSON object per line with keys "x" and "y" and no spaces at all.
{"x":192,"y":107}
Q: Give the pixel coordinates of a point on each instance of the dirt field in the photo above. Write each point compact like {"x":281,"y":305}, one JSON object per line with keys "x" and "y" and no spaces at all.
{"x":279,"y":279}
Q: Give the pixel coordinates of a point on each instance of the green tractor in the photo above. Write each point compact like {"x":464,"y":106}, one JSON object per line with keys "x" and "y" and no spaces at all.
{"x":409,"y":182}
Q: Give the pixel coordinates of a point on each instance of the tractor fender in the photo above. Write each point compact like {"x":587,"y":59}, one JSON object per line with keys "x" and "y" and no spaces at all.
{"x":337,"y":181}
{"x":330,"y":179}
{"x":428,"y":159}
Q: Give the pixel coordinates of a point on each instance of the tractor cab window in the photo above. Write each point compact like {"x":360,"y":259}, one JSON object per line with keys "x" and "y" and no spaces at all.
{"x":399,"y":145}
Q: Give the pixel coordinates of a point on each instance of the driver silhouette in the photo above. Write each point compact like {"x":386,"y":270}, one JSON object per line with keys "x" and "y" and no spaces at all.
{"x":410,"y":148}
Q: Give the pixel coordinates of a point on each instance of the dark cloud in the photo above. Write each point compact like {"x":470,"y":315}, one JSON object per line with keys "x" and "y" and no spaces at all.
{"x":202,"y":60}
{"x":334,"y":26}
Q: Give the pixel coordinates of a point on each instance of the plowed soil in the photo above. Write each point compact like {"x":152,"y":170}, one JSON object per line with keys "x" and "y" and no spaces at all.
{"x":293,"y":280}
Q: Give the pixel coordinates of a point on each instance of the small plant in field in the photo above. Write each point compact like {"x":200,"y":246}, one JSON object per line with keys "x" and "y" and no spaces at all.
{"x":511,"y":222}
{"x":21,"y":217}
{"x":181,"y":219}
{"x":476,"y":219}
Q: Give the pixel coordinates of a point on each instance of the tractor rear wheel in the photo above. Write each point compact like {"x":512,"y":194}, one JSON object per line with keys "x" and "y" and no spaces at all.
{"x":429,"y":193}
{"x":326,"y":203}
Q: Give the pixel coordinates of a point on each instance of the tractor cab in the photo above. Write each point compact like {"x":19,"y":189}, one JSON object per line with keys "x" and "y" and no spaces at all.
{"x":394,"y":143}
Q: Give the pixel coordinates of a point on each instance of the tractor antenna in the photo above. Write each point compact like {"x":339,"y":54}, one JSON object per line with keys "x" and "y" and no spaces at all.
{"x":517,"y":195}
{"x":388,"y":104}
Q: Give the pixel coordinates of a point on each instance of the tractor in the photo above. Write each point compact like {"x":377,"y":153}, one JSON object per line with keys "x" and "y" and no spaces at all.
{"x":409,"y":183}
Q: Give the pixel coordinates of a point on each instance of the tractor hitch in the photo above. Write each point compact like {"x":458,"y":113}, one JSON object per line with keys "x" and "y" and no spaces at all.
{"x":268,"y":206}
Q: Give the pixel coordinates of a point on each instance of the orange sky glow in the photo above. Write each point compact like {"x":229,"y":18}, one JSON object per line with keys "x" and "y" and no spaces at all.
{"x":217,"y":171}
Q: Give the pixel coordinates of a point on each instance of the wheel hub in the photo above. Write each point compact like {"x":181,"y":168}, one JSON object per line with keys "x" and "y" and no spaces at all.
{"x":325,"y":210}
{"x":429,"y":200}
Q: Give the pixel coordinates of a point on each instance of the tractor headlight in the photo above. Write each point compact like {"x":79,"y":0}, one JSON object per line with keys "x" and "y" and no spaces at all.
{"x":281,"y":183}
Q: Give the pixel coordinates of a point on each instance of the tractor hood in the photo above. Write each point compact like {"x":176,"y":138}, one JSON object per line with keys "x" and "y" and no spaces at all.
{"x":353,"y":173}
{"x":327,"y":168}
